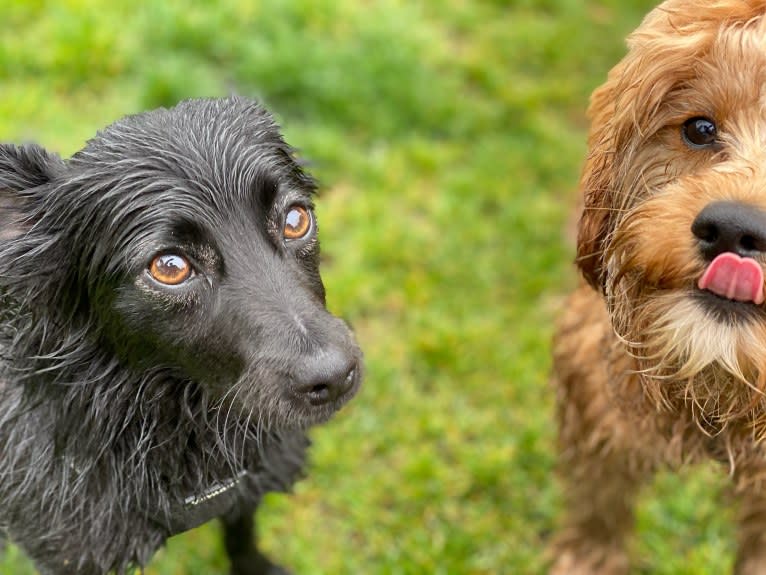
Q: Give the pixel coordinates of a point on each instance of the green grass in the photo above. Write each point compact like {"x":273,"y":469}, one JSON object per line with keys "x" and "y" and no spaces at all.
{"x":448,"y":137}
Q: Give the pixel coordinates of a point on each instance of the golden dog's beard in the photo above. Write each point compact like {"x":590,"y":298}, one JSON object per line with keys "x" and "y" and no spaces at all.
{"x":690,"y":349}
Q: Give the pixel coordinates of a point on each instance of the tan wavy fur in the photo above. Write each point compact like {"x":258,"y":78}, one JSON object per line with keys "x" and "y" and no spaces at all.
{"x":647,"y":371}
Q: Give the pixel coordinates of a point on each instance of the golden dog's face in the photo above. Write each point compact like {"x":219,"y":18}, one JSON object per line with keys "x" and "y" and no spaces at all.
{"x":674,"y":223}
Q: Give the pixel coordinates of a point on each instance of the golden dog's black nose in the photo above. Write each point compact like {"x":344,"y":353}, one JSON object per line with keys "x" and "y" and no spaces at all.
{"x":730,"y":227}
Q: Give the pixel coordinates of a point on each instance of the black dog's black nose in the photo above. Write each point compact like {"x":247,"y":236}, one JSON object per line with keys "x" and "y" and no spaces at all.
{"x":730,"y":227}
{"x":326,"y":377}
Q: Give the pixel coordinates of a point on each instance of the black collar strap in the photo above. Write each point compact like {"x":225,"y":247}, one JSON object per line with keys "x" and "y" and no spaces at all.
{"x":199,"y":508}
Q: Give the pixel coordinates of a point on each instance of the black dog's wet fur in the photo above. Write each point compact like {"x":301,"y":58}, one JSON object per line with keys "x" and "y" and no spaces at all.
{"x":120,"y":398}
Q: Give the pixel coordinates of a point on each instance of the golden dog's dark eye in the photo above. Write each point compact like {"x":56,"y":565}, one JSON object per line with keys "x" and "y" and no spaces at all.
{"x":297,"y":223}
{"x":170,"y":269}
{"x":699,"y":132}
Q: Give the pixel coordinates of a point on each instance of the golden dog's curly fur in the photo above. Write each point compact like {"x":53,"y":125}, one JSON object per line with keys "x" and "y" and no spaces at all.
{"x":649,"y":370}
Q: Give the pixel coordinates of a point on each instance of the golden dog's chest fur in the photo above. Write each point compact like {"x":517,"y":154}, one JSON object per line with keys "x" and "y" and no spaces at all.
{"x":651,"y":367}
{"x":613,"y":437}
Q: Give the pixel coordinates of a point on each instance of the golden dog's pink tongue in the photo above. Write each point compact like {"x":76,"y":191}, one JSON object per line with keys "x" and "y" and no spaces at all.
{"x":733,"y":277}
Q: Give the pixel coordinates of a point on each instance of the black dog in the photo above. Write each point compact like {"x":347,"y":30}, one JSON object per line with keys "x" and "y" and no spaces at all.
{"x":164,"y":338}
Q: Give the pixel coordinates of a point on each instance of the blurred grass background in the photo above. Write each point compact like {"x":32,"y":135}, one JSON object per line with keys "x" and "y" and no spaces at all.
{"x":448,"y":138}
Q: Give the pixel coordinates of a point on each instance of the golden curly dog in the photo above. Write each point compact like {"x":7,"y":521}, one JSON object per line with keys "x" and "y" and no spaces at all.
{"x":661,"y":358}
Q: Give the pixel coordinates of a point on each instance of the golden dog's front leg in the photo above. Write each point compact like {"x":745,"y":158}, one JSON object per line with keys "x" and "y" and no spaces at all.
{"x":600,"y":457}
{"x":750,"y":493}
{"x":600,"y":492}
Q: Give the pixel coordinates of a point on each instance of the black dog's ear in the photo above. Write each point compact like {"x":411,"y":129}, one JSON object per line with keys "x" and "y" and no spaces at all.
{"x":22,"y":170}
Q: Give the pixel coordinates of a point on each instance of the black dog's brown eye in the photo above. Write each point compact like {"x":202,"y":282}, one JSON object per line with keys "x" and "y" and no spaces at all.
{"x":297,"y":223}
{"x":699,"y":132}
{"x":170,"y":269}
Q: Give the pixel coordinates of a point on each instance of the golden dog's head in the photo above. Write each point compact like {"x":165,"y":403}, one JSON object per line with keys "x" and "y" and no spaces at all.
{"x":674,"y":223}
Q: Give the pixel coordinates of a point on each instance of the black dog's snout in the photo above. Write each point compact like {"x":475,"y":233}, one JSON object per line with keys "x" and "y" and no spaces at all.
{"x":326,"y":377}
{"x":730,"y":227}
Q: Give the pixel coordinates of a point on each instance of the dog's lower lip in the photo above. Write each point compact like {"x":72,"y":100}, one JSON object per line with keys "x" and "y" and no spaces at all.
{"x":727,"y":309}
{"x":719,"y":298}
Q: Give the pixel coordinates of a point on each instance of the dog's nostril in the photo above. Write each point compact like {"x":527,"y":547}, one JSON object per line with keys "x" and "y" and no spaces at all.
{"x":325,"y":378}
{"x":323,"y":392}
{"x":730,"y":227}
{"x":750,"y":243}
{"x":320,"y":391}
{"x":707,"y":233}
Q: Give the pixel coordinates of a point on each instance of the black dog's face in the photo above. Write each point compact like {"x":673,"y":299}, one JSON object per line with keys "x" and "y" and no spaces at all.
{"x":188,"y":235}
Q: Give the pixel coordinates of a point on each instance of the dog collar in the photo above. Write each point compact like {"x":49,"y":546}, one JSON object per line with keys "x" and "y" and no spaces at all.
{"x":216,"y":490}
{"x":199,"y":508}
{"x":196,"y":508}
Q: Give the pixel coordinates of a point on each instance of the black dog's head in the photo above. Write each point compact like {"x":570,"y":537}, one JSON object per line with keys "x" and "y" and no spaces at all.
{"x":180,"y":242}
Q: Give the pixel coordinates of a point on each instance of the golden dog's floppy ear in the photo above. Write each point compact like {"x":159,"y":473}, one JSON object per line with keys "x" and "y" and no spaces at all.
{"x":597,"y":184}
{"x":624,"y":112}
